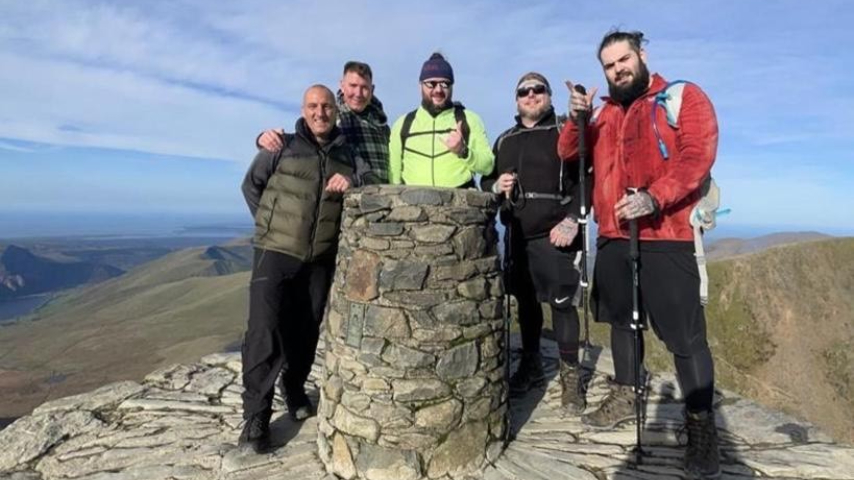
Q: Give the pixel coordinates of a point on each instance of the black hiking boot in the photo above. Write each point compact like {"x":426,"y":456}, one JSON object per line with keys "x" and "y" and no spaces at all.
{"x":299,"y":405}
{"x":572,"y":388}
{"x":702,"y":457}
{"x":256,"y":434}
{"x":529,"y":374}
{"x":617,"y":407}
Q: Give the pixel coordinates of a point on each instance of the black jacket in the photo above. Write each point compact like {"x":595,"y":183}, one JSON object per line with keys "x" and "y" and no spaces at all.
{"x":532,"y":154}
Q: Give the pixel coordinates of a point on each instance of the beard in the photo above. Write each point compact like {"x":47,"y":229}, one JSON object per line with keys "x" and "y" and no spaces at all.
{"x":433,"y":109}
{"x":631,"y":92}
{"x":536,"y":114}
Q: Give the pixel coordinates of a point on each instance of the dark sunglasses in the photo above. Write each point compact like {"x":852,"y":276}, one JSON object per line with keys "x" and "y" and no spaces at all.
{"x":537,"y":89}
{"x":433,"y":84}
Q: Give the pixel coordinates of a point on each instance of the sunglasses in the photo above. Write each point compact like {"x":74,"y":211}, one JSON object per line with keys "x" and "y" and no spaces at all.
{"x":537,"y":89}
{"x":433,"y":84}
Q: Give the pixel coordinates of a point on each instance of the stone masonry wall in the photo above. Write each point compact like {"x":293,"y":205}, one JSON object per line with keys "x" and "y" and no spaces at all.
{"x":413,"y":385}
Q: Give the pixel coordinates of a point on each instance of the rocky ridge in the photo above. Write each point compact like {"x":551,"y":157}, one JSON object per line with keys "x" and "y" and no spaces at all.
{"x":182,"y":422}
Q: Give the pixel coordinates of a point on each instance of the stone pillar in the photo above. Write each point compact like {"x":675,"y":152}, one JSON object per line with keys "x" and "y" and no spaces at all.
{"x":413,"y":384}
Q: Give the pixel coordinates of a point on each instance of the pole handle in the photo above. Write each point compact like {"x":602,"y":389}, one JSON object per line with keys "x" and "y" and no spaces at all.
{"x":580,"y":117}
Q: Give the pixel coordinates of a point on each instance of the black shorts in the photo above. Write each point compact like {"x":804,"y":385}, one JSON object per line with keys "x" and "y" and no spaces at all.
{"x":669,"y":291}
{"x":550,"y":270}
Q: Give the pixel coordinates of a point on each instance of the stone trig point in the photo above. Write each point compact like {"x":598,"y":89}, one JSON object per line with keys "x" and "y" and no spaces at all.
{"x":414,"y":379}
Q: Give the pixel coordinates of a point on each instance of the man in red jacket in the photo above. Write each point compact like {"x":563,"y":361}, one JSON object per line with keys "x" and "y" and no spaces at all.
{"x":624,"y":135}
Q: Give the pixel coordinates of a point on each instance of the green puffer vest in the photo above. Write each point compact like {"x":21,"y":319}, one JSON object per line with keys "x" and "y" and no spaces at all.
{"x":296,"y":215}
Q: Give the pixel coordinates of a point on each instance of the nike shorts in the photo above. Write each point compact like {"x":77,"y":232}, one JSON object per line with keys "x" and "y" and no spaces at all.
{"x":553,"y":271}
{"x":669,"y":291}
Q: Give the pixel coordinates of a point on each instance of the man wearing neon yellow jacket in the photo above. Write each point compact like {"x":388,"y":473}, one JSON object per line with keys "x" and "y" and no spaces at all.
{"x":440,"y":144}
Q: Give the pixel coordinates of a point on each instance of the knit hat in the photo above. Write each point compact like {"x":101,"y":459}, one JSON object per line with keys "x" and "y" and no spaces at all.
{"x":436,"y":67}
{"x":532,"y":79}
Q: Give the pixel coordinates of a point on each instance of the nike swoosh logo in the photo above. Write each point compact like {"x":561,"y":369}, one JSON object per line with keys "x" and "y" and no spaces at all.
{"x":561,"y":300}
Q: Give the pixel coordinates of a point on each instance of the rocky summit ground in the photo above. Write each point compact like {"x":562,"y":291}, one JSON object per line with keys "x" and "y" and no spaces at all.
{"x":183,"y":422}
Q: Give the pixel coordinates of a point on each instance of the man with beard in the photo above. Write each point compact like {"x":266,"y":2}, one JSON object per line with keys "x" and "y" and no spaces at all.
{"x":361,"y":119}
{"x":625,"y":134}
{"x":441,"y":143}
{"x":296,"y":238}
{"x":540,"y":213}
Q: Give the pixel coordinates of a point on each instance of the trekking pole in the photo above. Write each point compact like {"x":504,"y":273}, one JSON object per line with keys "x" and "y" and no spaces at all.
{"x":637,"y":326}
{"x":508,"y":250}
{"x":507,"y":342}
{"x":581,"y":119}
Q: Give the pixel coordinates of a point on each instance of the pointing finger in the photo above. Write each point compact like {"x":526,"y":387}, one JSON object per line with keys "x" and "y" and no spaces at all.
{"x":569,"y":85}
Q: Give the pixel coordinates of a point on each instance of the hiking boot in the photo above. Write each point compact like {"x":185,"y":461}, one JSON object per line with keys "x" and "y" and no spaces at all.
{"x":702,"y":457}
{"x":256,"y":434}
{"x":572,"y":388}
{"x":299,"y":405}
{"x":617,"y":407}
{"x":529,"y":374}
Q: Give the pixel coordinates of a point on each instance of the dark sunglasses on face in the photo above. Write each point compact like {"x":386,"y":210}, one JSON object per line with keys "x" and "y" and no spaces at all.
{"x":537,"y":89}
{"x":433,"y":84}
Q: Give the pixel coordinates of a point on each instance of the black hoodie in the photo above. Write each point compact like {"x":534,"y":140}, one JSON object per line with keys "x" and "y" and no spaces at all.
{"x":532,"y":154}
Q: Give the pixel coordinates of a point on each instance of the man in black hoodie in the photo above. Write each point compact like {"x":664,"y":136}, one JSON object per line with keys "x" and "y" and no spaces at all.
{"x":540,"y":213}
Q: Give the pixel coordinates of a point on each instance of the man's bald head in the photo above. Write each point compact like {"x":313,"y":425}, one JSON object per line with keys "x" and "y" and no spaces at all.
{"x":319,"y":111}
{"x":320,"y":89}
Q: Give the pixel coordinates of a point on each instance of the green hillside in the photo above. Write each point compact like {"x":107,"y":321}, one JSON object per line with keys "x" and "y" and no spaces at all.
{"x":174,"y":309}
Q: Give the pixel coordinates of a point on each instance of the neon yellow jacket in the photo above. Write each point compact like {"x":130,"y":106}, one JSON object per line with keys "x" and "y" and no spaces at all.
{"x":427,"y":161}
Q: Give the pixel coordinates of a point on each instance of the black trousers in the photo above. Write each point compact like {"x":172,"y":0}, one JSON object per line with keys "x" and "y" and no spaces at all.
{"x":287,"y":298}
{"x":669,"y":299}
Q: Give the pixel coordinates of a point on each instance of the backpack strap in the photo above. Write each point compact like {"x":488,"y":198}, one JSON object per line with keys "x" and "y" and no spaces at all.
{"x":670,"y":99}
{"x":405,"y":128}
{"x":702,"y":219}
{"x":460,"y":116}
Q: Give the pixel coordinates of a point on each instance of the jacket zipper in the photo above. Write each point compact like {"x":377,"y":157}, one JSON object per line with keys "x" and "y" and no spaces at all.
{"x":316,"y":219}
{"x":270,"y":220}
{"x":433,"y":155}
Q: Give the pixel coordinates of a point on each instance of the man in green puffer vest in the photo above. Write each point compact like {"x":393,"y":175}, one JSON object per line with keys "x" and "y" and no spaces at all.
{"x":296,"y":197}
{"x":439,"y":144}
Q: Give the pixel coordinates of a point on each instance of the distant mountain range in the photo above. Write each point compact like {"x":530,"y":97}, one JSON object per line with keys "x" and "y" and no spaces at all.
{"x":173,"y":309}
{"x":40,"y":267}
{"x":729,"y":247}
{"x":24,"y":273}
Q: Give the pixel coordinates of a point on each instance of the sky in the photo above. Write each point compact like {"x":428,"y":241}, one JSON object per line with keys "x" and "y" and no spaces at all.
{"x":153,"y":106}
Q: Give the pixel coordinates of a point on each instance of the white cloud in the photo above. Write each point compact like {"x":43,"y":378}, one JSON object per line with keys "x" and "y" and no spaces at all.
{"x":200,"y":78}
{"x":106,"y":108}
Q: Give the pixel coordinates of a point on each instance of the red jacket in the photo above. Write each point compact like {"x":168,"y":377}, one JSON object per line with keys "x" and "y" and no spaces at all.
{"x":624,"y":151}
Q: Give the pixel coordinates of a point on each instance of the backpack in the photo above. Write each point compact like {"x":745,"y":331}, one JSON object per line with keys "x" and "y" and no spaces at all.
{"x":704,"y":214}
{"x":459,"y":115}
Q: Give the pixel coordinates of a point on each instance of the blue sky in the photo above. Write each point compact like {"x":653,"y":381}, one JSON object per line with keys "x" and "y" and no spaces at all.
{"x":154,"y":106}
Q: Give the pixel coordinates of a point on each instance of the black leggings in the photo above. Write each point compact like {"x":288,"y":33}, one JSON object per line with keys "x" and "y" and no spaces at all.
{"x":696,"y":372}
{"x":565,"y":323}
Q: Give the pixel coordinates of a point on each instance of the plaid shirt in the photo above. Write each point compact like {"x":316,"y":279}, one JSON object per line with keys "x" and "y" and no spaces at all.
{"x":368,"y":133}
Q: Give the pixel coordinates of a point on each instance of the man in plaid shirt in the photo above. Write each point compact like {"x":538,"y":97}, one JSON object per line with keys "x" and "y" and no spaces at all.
{"x":360,"y":117}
